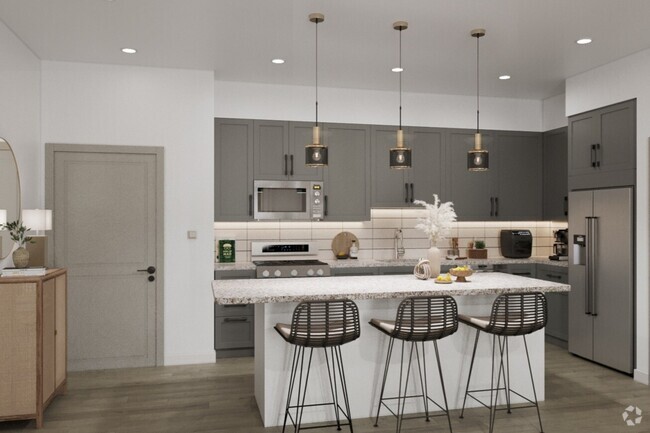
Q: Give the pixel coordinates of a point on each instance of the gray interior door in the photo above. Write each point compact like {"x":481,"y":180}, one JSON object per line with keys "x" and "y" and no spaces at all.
{"x":614,"y":290}
{"x":427,"y":172}
{"x":581,"y":333}
{"x":389,"y":184}
{"x":107,"y":204}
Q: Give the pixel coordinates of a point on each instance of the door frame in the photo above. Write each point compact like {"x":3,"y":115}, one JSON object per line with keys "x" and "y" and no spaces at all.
{"x":159,"y":153}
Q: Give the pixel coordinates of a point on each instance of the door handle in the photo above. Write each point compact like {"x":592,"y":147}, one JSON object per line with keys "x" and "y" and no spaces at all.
{"x":491,"y":206}
{"x":496,"y":206}
{"x":151,"y":278}
{"x":286,"y":165}
{"x":291,"y":165}
{"x":412,"y":193}
{"x":406,"y":193}
{"x":149,"y":270}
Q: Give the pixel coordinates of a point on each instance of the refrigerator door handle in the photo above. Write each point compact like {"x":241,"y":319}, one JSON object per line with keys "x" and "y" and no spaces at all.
{"x":588,"y":267}
{"x":593,"y":254}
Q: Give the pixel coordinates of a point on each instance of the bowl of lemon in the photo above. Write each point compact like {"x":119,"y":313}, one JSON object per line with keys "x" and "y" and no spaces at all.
{"x":461,"y":273}
{"x":443,"y":279}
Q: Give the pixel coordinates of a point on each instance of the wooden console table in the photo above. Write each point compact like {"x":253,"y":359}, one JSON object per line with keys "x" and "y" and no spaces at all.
{"x":33,"y":333}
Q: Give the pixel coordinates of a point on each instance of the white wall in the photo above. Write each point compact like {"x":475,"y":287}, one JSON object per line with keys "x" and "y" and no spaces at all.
{"x":554,"y":112}
{"x":615,"y":82}
{"x":263,"y":101}
{"x":121,"y":105}
{"x":20,"y":109}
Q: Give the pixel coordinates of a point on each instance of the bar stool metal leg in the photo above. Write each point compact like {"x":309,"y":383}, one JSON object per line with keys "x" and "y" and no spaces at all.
{"x":333,"y":388}
{"x":344,"y":386}
{"x":292,"y":380}
{"x":469,"y":376}
{"x":423,"y":380}
{"x":400,"y":414}
{"x":532,"y":381}
{"x":389,"y":352}
{"x":304,"y":393}
{"x":442,"y":383}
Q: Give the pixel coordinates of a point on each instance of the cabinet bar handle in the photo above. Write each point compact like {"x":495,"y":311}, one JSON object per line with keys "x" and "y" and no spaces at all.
{"x":286,"y":165}
{"x":406,"y":193}
{"x":496,"y":206}
{"x":597,"y":154}
{"x":325,"y":198}
{"x":235,"y":319}
{"x":291,"y":165}
{"x":235,"y":305}
{"x":558,"y":277}
{"x":593,"y":155}
{"x":412,"y":193}
{"x":491,"y":206}
{"x":566,"y":206}
{"x":250,"y":204}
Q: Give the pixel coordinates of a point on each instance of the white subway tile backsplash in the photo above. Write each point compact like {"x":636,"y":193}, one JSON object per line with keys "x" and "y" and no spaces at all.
{"x":230,"y":225}
{"x":385,"y":213}
{"x":383,"y":233}
{"x":324,"y":233}
{"x":264,"y":234}
{"x":356,"y":225}
{"x":290,"y":225}
{"x":327,"y":225}
{"x":478,"y":233}
{"x":295,"y":234}
{"x":387,"y":223}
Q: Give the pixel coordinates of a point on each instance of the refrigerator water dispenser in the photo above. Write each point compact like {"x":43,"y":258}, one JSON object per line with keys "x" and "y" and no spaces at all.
{"x":579,"y":250}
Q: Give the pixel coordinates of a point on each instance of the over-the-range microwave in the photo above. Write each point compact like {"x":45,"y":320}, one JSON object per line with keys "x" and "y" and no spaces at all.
{"x":288,"y":200}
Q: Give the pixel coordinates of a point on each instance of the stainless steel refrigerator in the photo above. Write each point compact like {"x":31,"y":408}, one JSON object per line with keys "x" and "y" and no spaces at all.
{"x":601,"y":274}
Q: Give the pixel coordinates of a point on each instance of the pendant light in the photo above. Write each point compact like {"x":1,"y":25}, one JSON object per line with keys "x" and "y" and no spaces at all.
{"x":316,"y":153}
{"x":400,"y":156}
{"x":477,"y":158}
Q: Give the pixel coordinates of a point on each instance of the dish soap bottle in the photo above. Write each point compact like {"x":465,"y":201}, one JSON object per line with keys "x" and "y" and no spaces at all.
{"x":354,"y":250}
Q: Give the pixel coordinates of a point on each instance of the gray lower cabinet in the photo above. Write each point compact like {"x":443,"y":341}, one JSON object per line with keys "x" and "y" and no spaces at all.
{"x":557,"y":327}
{"x":354,"y":272}
{"x":234,"y":325}
{"x":279,"y":151}
{"x":400,"y":187}
{"x":347,"y":176}
{"x":471,"y":192}
{"x":556,"y":191}
{"x":233,"y":169}
{"x":602,"y":147}
{"x":521,"y":269}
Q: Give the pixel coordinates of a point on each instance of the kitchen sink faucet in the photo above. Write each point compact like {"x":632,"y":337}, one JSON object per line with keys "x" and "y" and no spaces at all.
{"x":399,"y":244}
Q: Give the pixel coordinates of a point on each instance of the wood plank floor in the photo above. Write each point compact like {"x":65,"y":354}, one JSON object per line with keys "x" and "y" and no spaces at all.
{"x":218,"y":398}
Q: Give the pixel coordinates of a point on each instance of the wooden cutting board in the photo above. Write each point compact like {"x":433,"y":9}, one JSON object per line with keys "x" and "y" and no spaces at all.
{"x":342,"y":243}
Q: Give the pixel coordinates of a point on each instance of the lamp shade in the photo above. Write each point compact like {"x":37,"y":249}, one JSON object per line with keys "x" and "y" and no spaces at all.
{"x":3,"y":216}
{"x":37,"y":219}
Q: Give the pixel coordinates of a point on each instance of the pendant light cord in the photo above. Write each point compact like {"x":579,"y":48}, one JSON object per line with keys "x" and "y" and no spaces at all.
{"x":316,"y":73}
{"x":400,"y":79}
{"x":477,"y":85}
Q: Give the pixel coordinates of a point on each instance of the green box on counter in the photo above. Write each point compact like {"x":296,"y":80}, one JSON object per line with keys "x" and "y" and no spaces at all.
{"x":226,"y":251}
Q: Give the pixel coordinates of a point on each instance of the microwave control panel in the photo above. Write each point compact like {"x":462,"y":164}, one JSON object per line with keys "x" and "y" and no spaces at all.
{"x":317,"y":201}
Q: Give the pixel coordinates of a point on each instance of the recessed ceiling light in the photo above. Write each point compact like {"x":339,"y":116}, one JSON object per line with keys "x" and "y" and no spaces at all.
{"x":277,"y":61}
{"x":504,"y":77}
{"x":583,"y":41}
{"x":397,"y":69}
{"x":129,"y":50}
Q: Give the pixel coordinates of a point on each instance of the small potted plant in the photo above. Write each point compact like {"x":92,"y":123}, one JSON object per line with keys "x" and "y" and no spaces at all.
{"x":478,"y":252}
{"x":17,"y":233}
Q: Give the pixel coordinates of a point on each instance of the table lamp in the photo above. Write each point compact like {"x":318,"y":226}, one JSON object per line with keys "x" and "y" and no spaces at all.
{"x":37,"y":220}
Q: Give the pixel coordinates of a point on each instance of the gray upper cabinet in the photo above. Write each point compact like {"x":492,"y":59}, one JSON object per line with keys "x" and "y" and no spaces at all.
{"x":556,"y":191}
{"x":519,"y":168}
{"x":400,"y":187}
{"x":602,"y":147}
{"x":233,"y":169}
{"x":347,"y":176}
{"x":471,"y":192}
{"x":279,"y":151}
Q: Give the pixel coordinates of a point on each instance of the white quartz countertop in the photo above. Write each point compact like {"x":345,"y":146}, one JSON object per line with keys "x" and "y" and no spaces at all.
{"x":260,"y":291}
{"x":371,"y":263}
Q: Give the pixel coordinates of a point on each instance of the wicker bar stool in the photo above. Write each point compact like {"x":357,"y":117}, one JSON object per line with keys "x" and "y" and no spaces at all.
{"x":517,"y":314}
{"x":326,"y":325}
{"x":419,"y":319}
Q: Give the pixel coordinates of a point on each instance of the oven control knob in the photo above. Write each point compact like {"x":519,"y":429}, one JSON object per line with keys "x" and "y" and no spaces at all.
{"x":317,"y":201}
{"x":316,"y":193}
{"x":265,"y":274}
{"x":320,"y":272}
{"x":277,"y":273}
{"x":294,"y":273}
{"x":310,"y":272}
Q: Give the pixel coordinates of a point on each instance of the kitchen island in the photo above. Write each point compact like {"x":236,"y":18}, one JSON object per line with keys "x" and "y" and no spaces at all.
{"x":378,"y":297}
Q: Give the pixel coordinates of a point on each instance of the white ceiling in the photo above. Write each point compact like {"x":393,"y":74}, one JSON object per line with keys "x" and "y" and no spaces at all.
{"x":532,"y":40}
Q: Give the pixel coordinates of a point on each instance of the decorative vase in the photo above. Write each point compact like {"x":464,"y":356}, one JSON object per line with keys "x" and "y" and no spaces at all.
{"x":20,"y":257}
{"x":433,"y":255}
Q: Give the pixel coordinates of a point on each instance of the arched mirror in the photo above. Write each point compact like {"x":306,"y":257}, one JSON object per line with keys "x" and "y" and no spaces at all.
{"x":9,"y":194}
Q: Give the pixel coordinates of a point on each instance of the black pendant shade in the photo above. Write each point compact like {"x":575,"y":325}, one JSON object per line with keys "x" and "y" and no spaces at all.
{"x":315,"y":155}
{"x":478,"y":160}
{"x":400,"y":157}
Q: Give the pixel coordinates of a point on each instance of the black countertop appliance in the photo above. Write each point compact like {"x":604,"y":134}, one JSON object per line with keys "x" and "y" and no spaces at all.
{"x":516,"y":244}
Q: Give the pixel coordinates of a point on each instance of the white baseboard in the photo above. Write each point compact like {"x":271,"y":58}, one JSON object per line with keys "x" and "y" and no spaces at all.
{"x":198,"y":358}
{"x":641,"y":377}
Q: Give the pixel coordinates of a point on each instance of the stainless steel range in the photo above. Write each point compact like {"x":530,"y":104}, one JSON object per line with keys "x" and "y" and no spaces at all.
{"x":287,"y":260}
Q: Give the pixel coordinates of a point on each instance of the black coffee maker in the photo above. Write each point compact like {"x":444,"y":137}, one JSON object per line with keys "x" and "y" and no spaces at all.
{"x":561,"y":245}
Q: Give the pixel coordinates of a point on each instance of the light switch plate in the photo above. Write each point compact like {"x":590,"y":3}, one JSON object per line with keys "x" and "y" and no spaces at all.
{"x":191,"y":234}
